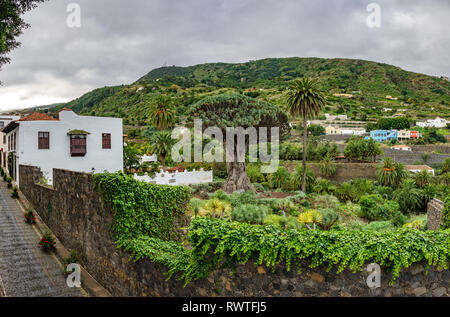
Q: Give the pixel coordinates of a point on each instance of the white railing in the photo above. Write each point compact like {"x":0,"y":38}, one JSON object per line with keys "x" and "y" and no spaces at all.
{"x":177,"y":178}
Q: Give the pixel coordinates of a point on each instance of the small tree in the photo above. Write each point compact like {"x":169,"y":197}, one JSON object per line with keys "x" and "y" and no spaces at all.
{"x":328,"y":166}
{"x":161,"y":144}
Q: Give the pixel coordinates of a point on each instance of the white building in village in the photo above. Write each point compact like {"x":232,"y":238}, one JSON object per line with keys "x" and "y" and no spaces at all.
{"x":433,"y":123}
{"x":72,"y":142}
{"x":4,"y":121}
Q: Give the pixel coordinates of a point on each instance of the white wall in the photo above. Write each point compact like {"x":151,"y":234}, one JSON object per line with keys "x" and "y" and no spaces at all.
{"x":97,"y":160}
{"x":177,"y":178}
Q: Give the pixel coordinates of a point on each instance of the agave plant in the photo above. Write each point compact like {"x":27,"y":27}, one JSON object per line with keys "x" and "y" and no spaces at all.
{"x":310,"y":219}
{"x":216,"y":208}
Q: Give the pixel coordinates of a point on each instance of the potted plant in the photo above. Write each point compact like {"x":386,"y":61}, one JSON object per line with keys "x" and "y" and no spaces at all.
{"x":9,"y":181}
{"x":15,"y":192}
{"x":30,"y":218}
{"x":47,"y":241}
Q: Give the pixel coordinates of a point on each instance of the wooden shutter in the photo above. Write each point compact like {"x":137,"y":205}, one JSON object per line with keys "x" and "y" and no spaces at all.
{"x":106,"y":140}
{"x":44,"y":140}
{"x":78,"y":145}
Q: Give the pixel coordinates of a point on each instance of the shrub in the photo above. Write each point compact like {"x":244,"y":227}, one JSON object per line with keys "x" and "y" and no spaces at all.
{"x":141,"y":208}
{"x":297,"y":179}
{"x":326,"y":201}
{"x":254,"y":173}
{"x":216,"y":242}
{"x":446,"y":214}
{"x":310,"y":219}
{"x":328,"y":166}
{"x":378,"y":226}
{"x":329,"y":218}
{"x":71,"y":259}
{"x":47,"y":241}
{"x":216,"y":208}
{"x":346,"y":192}
{"x":416,"y":224}
{"x":408,"y":197}
{"x":250,"y":213}
{"x":285,"y":223}
{"x":369,"y":203}
{"x":279,"y":179}
{"x":9,"y":181}
{"x":350,"y":211}
{"x":29,"y":216}
{"x":15,"y":192}
{"x":194,"y":207}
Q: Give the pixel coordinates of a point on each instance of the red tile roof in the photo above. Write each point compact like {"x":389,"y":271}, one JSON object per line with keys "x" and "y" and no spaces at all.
{"x":37,"y":116}
{"x":418,"y":167}
{"x":65,"y":109}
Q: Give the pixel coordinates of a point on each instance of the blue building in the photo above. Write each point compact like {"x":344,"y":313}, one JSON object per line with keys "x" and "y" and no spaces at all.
{"x":384,"y":135}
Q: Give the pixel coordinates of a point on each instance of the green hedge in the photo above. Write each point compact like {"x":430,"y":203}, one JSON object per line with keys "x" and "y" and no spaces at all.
{"x":139,"y":208}
{"x":216,"y":241}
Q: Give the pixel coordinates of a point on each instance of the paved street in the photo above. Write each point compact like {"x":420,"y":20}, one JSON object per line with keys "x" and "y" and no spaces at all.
{"x":26,"y":270}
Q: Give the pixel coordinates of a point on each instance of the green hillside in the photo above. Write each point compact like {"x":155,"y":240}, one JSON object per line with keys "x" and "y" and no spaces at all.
{"x":369,"y":82}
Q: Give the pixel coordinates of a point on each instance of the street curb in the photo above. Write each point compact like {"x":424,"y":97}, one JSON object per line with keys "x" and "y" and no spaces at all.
{"x":94,"y":288}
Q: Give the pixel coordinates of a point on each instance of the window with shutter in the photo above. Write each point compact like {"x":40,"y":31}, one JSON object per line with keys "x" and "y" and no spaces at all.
{"x":106,"y":140}
{"x":78,"y":145}
{"x":43,"y":140}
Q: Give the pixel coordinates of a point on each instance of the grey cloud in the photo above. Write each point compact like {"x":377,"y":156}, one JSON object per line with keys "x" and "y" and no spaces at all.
{"x":119,"y":41}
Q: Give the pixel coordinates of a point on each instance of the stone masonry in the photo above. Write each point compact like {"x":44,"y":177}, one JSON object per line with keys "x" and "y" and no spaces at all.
{"x":79,"y":218}
{"x":435,"y":208}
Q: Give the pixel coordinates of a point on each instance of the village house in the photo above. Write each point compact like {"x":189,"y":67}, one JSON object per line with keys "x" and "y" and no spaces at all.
{"x":330,"y":130}
{"x":419,"y":168}
{"x":433,"y":123}
{"x":4,"y":121}
{"x":401,"y":148}
{"x":404,"y":135}
{"x":72,"y":142}
{"x":383,"y":135}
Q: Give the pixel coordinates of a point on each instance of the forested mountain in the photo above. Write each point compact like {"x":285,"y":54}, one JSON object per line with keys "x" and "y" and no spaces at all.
{"x":367,"y":83}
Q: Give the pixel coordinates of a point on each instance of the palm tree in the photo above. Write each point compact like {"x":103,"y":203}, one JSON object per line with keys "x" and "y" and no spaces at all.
{"x":423,"y":178}
{"x":304,"y":99}
{"x":161,"y":144}
{"x":409,"y":197}
{"x":162,"y":113}
{"x":391,"y":173}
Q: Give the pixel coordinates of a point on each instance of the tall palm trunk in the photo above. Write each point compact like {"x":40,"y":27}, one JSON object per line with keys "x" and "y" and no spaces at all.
{"x":305,"y":137}
{"x":163,"y":161}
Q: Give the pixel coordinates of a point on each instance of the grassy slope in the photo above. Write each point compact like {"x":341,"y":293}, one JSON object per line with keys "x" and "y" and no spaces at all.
{"x":370,"y":82}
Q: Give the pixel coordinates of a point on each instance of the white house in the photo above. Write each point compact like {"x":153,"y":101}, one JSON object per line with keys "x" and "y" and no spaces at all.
{"x":419,"y":168}
{"x":401,"y":148}
{"x":433,"y":123}
{"x":72,"y":142}
{"x":4,"y":121}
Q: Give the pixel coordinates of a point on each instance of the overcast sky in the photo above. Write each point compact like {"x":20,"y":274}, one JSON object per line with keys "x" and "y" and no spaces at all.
{"x":120,"y":41}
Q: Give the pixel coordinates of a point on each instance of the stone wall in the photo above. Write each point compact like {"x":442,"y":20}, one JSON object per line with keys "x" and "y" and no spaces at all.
{"x":435,"y":209}
{"x":413,"y":157}
{"x":81,"y":221}
{"x":344,"y":171}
